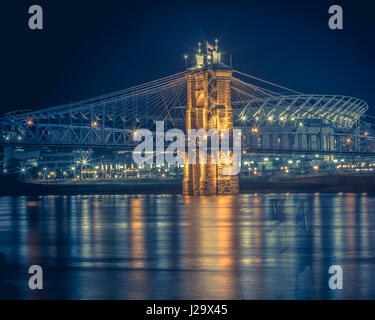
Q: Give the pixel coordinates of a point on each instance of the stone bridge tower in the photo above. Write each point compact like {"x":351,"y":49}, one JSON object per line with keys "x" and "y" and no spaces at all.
{"x":209,"y":107}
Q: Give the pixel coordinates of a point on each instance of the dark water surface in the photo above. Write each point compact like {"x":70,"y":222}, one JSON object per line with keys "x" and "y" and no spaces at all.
{"x":265,"y":246}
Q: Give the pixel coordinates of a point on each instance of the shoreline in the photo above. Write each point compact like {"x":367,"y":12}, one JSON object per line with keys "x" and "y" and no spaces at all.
{"x":321,"y":184}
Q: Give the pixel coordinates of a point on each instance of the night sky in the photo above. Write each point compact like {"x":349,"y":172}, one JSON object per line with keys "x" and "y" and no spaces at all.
{"x":89,"y":48}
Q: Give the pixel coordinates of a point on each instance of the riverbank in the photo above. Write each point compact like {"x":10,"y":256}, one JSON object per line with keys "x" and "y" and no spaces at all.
{"x":324,"y":184}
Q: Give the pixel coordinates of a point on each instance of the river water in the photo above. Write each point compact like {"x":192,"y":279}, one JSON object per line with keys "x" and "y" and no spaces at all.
{"x":250,"y":246}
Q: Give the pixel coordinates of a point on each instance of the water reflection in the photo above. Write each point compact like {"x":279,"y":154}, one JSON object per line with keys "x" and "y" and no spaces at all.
{"x":274,"y":246}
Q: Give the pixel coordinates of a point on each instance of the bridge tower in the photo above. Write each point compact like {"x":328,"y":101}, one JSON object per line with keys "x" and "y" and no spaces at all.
{"x":209,"y":107}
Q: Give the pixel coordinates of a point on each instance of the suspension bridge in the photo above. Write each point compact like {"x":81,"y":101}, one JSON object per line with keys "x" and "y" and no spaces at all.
{"x":273,"y":119}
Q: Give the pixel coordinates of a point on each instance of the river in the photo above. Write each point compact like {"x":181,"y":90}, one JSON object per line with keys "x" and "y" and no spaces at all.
{"x":250,"y":246}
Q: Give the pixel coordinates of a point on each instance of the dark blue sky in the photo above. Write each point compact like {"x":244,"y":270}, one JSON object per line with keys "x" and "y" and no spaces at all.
{"x":90,"y":48}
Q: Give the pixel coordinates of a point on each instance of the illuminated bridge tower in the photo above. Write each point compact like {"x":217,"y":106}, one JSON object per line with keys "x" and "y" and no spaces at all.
{"x":209,"y":107}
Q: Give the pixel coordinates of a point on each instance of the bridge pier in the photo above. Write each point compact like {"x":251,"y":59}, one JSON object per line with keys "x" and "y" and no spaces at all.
{"x":209,"y":107}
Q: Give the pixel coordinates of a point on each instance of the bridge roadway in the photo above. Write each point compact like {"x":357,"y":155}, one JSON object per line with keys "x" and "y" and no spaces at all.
{"x":244,"y":148}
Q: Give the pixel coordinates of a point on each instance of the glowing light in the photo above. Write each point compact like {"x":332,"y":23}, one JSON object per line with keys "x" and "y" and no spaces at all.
{"x":94,"y":124}
{"x":293,"y":118}
{"x":270,"y":118}
{"x":365,"y":134}
{"x":348,"y":140}
{"x":19,"y":138}
{"x":243,"y":118}
{"x":281,"y":118}
{"x":254,"y":130}
{"x":301,"y":124}
{"x":316,"y":168}
{"x":29,"y":122}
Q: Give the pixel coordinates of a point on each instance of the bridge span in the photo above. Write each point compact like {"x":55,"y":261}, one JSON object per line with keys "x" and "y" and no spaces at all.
{"x":273,"y":118}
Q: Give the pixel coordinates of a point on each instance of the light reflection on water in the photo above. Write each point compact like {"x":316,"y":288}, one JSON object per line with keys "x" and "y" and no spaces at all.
{"x":266,"y":246}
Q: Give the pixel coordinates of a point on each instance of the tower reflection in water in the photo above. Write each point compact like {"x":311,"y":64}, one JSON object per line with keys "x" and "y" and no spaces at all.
{"x":273,"y":246}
